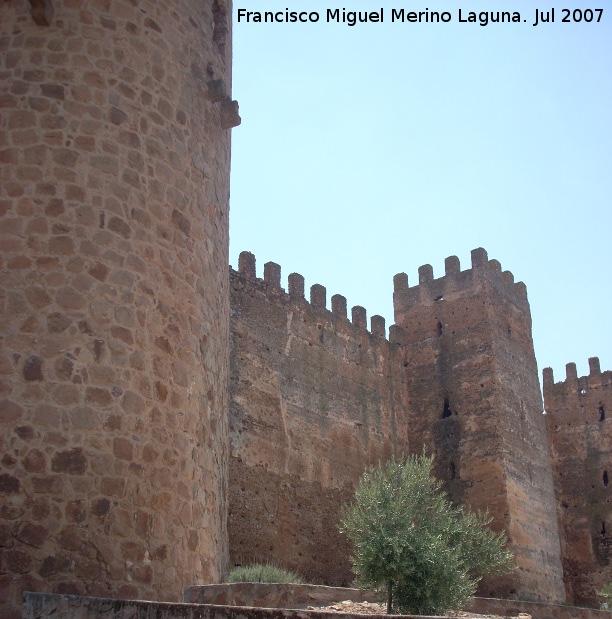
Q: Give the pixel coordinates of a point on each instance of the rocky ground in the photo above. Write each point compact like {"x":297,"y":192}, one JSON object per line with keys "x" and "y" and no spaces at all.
{"x":372,"y":608}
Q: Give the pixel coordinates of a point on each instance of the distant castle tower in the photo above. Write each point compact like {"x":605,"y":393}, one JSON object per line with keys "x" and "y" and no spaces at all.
{"x":114,"y":190}
{"x":578,"y":414}
{"x":474,"y":398}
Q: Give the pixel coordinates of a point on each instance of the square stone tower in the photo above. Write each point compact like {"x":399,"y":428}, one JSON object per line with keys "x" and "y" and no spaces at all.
{"x":473,"y":398}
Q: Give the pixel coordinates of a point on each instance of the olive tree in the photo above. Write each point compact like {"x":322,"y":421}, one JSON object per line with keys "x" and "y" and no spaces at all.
{"x":409,"y":539}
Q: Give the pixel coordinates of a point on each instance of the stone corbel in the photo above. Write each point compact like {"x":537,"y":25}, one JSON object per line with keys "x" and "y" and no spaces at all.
{"x":229,"y":114}
{"x":217,"y":93}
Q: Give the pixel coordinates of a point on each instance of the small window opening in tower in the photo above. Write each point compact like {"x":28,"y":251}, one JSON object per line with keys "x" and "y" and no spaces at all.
{"x":439,"y":328}
{"x":602,"y":412}
{"x":605,"y":479}
{"x":582,"y":391}
{"x":452,"y":470}
{"x":447,"y":410}
{"x":603,"y":528}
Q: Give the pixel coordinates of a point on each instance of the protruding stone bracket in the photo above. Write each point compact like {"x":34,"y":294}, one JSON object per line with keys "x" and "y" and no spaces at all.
{"x":216,"y":91}
{"x":42,"y":12}
{"x":229,"y":114}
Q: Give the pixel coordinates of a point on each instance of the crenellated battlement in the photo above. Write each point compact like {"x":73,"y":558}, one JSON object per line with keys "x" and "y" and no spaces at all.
{"x":577,"y":399}
{"x":455,"y":283}
{"x":318,"y":394}
{"x":321,"y":389}
{"x":573,"y":383}
{"x":271,"y":284}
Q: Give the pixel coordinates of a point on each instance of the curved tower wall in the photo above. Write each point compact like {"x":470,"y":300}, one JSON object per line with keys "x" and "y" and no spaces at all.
{"x":114,"y":296}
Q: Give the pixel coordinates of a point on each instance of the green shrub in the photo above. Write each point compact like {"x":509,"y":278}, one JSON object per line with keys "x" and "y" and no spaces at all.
{"x":409,"y":539}
{"x":259,"y":572}
{"x":605,"y":593}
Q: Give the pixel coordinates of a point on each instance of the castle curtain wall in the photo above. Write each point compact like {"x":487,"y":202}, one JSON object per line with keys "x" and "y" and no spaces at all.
{"x":315,"y":399}
{"x":114,"y":297}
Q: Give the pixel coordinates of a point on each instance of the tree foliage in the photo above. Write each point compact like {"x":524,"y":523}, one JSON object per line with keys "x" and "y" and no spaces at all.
{"x":409,"y":538}
{"x":605,"y":593}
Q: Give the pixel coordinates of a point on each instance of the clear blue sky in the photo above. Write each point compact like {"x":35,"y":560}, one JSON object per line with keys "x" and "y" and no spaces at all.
{"x":369,"y":150}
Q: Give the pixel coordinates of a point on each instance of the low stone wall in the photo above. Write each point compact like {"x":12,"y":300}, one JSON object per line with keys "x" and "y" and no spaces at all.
{"x":52,"y":606}
{"x":275,"y":596}
{"x":537,"y":610}
{"x":302,"y":596}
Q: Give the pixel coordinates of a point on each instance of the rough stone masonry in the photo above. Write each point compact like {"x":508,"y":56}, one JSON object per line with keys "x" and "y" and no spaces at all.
{"x":114,"y":171}
{"x":316,"y":397}
{"x":115,"y":347}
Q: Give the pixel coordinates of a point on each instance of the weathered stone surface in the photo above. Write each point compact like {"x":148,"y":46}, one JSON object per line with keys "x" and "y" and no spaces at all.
{"x":579,"y":418}
{"x":475,"y":401}
{"x":32,"y":368}
{"x":114,"y":360}
{"x":274,"y":595}
{"x":315,"y":400}
{"x":43,"y":605}
{"x":9,"y":484}
{"x":71,"y":461}
{"x":113,"y":239}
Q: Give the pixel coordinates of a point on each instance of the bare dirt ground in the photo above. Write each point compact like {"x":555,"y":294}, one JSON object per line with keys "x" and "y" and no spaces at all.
{"x":372,"y":608}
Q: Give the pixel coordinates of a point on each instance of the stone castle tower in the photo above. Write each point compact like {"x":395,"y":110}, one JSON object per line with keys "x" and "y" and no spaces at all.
{"x":578,"y":418}
{"x":115,"y":157}
{"x":474,"y":398}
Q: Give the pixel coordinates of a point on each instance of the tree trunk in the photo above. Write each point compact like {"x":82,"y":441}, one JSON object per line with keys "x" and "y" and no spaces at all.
{"x":389,"y":597}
